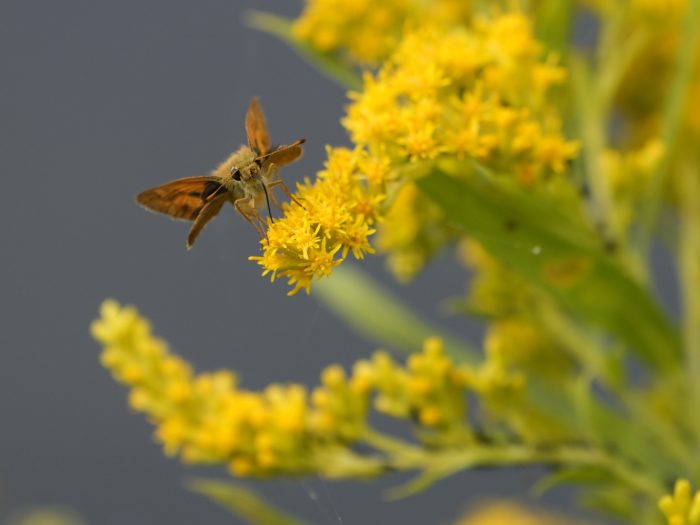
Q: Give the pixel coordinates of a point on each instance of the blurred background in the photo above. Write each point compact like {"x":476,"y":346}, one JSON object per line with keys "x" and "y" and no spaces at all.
{"x":98,"y":101}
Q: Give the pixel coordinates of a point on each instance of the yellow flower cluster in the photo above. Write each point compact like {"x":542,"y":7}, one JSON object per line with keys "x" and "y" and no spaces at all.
{"x":205,"y":418}
{"x":516,"y":351}
{"x":430,"y":389}
{"x":403,"y":235}
{"x":504,"y":512}
{"x":208,"y":419}
{"x":517,"y":346}
{"x":629,"y":175}
{"x":366,"y":31}
{"x":336,"y":215}
{"x":682,"y":507}
{"x":494,"y":290}
{"x":46,"y":516}
{"x":479,"y":92}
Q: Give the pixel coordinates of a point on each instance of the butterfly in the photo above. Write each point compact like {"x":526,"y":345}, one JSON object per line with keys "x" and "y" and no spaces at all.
{"x":245,"y":179}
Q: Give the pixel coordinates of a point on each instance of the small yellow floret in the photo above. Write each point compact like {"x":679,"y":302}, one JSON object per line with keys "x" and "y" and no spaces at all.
{"x":683,"y":506}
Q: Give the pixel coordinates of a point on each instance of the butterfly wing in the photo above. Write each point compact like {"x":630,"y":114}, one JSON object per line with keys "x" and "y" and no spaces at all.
{"x":283,"y":155}
{"x":256,"y":128}
{"x":182,"y":198}
{"x":209,"y":211}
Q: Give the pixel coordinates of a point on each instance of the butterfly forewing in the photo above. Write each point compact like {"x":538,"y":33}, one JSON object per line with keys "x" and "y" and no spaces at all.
{"x":256,"y":128}
{"x":182,"y":198}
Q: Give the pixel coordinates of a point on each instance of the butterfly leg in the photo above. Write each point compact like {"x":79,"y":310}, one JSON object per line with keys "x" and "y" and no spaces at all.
{"x":276,"y":180}
{"x":246,"y":207}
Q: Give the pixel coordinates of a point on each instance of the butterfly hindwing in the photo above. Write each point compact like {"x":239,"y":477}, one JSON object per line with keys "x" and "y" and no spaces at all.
{"x":284,"y":155}
{"x":208,"y":212}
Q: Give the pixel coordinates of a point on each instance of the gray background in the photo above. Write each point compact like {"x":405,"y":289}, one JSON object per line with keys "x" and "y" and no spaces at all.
{"x":99,"y":100}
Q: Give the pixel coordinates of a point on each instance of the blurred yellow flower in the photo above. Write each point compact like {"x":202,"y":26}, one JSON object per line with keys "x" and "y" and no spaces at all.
{"x":507,"y":513}
{"x":403,"y":235}
{"x":683,"y":506}
{"x":466,"y":92}
{"x":494,"y":291}
{"x":629,"y":175}
{"x":46,"y":516}
{"x":517,"y":343}
{"x":367,"y":32}
{"x":208,"y":419}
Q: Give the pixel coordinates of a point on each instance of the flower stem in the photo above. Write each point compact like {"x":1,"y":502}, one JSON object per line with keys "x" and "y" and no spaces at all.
{"x":676,"y":98}
{"x":589,"y":355}
{"x":689,"y":262}
{"x":404,"y":456}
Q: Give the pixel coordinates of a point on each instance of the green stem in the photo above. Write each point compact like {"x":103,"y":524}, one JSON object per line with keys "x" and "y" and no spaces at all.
{"x":672,"y":117}
{"x":588,"y":354}
{"x":615,"y":67}
{"x":594,"y":92}
{"x":689,"y":262}
{"x":334,"y":67}
{"x":390,"y":445}
{"x":520,"y":455}
{"x":582,"y":349}
{"x":592,"y":131}
{"x":404,"y":456}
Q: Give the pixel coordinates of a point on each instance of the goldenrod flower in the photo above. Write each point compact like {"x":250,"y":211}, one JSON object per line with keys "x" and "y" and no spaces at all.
{"x":494,"y":290}
{"x":208,"y":419}
{"x":430,"y":389}
{"x":629,"y":175}
{"x":411,"y":232}
{"x":465,"y":92}
{"x":367,"y":32}
{"x":519,"y":344}
{"x":683,"y":506}
{"x":507,"y":513}
{"x":335,"y":216}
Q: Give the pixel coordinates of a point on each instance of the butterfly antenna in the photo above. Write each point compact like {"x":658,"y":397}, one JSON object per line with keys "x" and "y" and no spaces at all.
{"x":267,"y":200}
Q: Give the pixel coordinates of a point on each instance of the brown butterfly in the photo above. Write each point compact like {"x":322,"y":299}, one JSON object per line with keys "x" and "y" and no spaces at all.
{"x":245,"y":180}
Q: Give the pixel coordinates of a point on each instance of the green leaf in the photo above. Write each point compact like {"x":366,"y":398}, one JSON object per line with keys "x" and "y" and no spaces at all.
{"x":332,"y":65}
{"x":550,"y":246}
{"x":418,"y":484}
{"x":242,"y":501}
{"x":617,"y":503}
{"x":376,"y":313}
{"x":594,"y":476}
{"x":633,"y":440}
